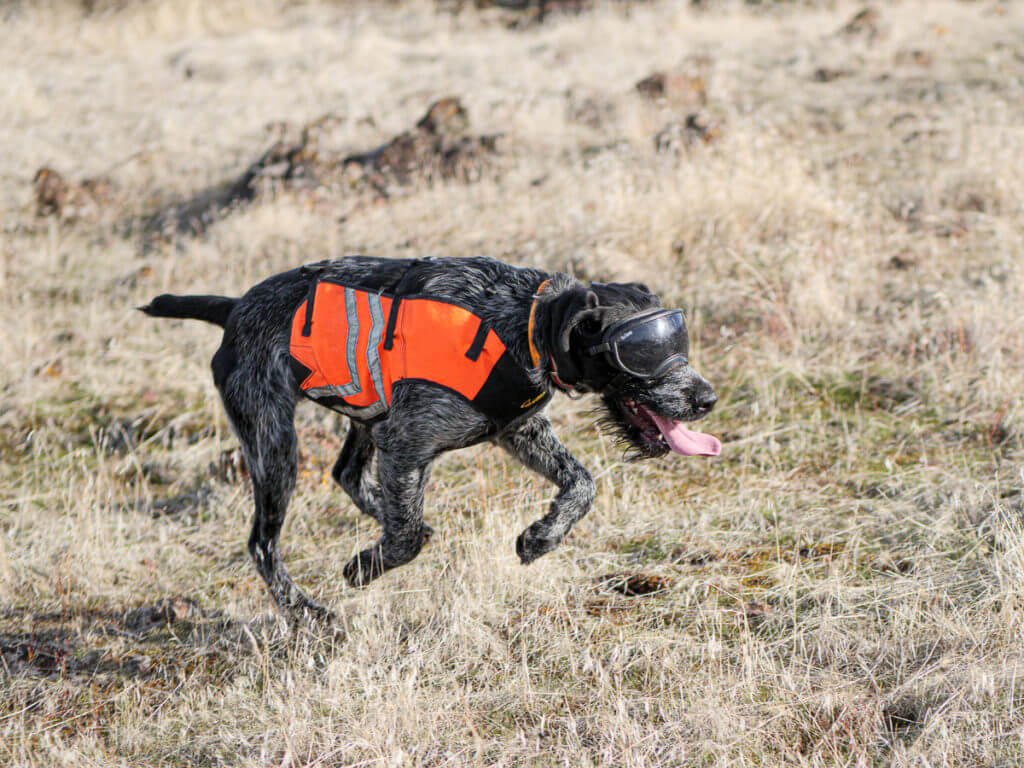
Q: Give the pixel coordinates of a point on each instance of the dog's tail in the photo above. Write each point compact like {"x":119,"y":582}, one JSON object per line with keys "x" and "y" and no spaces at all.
{"x":212,"y":309}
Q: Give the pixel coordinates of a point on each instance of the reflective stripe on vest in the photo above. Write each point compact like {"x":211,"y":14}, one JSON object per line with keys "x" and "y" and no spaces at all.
{"x":342,"y":349}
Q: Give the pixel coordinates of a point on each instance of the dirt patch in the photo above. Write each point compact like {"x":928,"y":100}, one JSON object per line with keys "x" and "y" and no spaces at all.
{"x":27,"y":654}
{"x":75,"y":418}
{"x":438,"y":147}
{"x":828,"y":74}
{"x":633,"y":584}
{"x":56,"y":196}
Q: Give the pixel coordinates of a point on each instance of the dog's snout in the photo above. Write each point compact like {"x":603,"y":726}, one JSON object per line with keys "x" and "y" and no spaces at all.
{"x":704,"y":400}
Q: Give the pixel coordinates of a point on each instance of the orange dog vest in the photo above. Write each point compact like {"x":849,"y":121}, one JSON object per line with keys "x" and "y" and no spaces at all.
{"x":350,"y":347}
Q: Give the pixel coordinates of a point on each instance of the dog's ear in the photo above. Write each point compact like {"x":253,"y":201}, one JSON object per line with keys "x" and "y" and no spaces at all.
{"x":590,"y":311}
{"x":566,"y":313}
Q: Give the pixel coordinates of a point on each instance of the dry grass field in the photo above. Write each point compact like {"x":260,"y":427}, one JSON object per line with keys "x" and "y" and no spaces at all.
{"x":843,"y":223}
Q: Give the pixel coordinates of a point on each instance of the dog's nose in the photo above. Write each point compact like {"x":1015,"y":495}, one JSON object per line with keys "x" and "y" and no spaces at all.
{"x":704,"y":401}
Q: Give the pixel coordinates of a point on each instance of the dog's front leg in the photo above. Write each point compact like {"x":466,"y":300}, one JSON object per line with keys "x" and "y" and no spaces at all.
{"x":535,"y":445}
{"x":354,"y":472}
{"x":402,"y":481}
{"x":351,"y":471}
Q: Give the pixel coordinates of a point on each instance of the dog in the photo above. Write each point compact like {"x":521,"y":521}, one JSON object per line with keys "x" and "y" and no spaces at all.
{"x":432,"y":355}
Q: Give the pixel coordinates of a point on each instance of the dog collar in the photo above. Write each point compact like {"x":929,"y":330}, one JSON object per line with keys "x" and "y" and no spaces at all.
{"x":534,"y":352}
{"x":570,"y":391}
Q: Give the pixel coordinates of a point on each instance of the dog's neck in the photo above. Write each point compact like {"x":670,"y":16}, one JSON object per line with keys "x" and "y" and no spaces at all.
{"x":537,"y":357}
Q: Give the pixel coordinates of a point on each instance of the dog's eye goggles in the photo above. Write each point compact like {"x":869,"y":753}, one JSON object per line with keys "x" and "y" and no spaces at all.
{"x":646,"y":345}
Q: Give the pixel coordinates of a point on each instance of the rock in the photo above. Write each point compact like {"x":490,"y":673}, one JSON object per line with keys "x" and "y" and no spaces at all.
{"x":827,"y":74}
{"x":652,"y":86}
{"x":902,"y":261}
{"x":445,"y":117}
{"x":51,"y":192}
{"x":55,"y":196}
{"x":686,"y":89}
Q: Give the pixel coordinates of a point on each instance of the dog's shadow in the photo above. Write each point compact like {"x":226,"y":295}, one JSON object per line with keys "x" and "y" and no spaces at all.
{"x":171,"y":638}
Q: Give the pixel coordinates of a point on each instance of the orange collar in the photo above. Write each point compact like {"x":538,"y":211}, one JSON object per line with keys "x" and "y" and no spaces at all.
{"x":534,"y":354}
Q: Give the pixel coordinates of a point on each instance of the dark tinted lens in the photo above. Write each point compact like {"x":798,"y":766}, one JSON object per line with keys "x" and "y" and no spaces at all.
{"x":645,"y":345}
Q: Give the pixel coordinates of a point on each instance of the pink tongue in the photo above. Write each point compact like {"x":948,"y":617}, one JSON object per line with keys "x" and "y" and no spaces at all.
{"x":683,"y":440}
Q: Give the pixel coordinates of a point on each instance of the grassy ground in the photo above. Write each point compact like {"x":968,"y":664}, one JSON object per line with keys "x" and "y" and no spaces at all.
{"x":843,"y":586}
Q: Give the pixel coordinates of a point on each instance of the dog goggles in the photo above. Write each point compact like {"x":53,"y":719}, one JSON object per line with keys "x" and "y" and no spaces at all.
{"x":646,"y":345}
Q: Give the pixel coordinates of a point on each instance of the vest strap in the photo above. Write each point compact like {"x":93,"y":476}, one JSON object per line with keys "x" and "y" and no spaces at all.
{"x":389,"y":334}
{"x":307,"y":327}
{"x":478,"y":341}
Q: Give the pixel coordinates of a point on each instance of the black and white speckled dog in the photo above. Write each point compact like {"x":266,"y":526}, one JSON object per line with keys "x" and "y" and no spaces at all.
{"x":523,"y":332}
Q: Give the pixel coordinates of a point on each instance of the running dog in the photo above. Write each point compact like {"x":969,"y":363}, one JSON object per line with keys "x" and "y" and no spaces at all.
{"x":431,"y":355}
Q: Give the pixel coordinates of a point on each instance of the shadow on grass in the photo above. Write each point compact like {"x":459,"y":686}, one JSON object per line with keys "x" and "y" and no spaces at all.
{"x":161,"y":640}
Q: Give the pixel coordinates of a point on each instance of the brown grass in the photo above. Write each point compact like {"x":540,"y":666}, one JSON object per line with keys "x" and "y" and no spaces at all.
{"x":842,"y":587}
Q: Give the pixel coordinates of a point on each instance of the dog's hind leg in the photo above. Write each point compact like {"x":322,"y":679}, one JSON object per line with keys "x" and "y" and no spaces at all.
{"x":534,"y":443}
{"x":261,"y":408}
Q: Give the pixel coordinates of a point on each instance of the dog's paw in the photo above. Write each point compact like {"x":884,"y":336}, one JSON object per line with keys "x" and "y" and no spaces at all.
{"x":363,"y":568}
{"x":530,"y":546}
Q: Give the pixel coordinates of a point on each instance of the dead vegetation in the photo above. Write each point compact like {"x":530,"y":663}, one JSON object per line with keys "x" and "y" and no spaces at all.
{"x":438,"y":148}
{"x":840,"y":588}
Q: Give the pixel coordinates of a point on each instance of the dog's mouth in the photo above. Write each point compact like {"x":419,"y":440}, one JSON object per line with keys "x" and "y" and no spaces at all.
{"x":652,"y":435}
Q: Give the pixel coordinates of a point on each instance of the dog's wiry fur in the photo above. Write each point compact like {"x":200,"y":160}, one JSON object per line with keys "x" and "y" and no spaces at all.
{"x":255,"y":380}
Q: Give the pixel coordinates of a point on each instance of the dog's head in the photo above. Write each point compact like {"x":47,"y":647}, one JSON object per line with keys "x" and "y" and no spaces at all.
{"x":614,"y":339}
